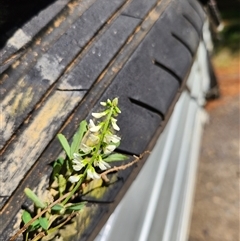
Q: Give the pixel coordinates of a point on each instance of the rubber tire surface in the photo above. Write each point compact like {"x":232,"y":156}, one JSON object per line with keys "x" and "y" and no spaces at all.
{"x":138,"y":50}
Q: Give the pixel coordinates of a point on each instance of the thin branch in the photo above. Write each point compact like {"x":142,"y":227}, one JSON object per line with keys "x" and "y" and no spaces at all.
{"x":122,"y":167}
{"x":103,"y":176}
{"x":65,"y":221}
{"x":36,"y":217}
{"x":40,"y":235}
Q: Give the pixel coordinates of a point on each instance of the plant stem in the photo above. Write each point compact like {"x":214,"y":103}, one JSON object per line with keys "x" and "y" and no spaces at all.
{"x":39,"y":236}
{"x":105,"y":127}
{"x":26,"y":238}
{"x":61,"y":224}
{"x":36,"y":217}
{"x":75,"y":188}
{"x":123,"y":167}
{"x":96,"y":152}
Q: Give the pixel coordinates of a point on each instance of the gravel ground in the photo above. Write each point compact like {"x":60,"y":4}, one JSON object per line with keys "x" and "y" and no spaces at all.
{"x":215,"y":214}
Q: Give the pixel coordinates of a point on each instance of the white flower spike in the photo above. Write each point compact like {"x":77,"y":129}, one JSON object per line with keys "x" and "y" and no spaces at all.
{"x":74,"y":179}
{"x":103,"y":103}
{"x":103,"y":165}
{"x":108,"y":138}
{"x":92,"y":140}
{"x":77,"y":162}
{"x":117,"y":110}
{"x":92,"y":127}
{"x":114,"y":124}
{"x":109,"y":149}
{"x":91,"y":173}
{"x":115,"y":102}
{"x":99,"y":115}
{"x":85,"y":148}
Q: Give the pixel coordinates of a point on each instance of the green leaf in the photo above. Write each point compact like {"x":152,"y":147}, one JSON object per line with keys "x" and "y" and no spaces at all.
{"x":26,"y":217}
{"x":77,"y":138}
{"x":62,"y":182}
{"x":76,"y":206}
{"x":43,"y":223}
{"x":34,"y":226}
{"x":64,"y":144}
{"x":69,"y":167}
{"x":57,"y":166}
{"x":57,"y":207}
{"x":38,"y":203}
{"x":59,"y":161}
{"x":115,"y":157}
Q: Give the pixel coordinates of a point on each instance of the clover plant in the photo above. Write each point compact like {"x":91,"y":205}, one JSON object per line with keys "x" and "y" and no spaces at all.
{"x":86,"y":158}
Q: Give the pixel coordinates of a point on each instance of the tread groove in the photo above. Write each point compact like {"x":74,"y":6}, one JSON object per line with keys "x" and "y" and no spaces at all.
{"x":162,"y":66}
{"x":183,"y":43}
{"x":81,"y":53}
{"x":146,"y":106}
{"x":119,"y":150}
{"x":137,"y":105}
{"x":66,"y":90}
{"x":130,"y":16}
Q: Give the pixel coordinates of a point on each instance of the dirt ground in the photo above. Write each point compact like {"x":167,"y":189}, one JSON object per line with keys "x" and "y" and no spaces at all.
{"x":215,"y":214}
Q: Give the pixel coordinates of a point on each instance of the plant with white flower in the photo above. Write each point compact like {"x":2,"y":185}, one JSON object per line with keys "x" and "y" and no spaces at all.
{"x":98,"y":143}
{"x":92,"y":149}
{"x":87,"y":158}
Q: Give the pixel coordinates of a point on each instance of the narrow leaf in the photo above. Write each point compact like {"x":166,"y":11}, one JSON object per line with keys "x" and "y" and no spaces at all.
{"x":34,"y":226}
{"x":30,"y":194}
{"x":76,"y":206}
{"x":69,"y":167}
{"x":59,"y":161}
{"x":26,"y":217}
{"x":115,"y":157}
{"x":57,"y":207}
{"x":77,"y":138}
{"x":43,"y":223}
{"x":62,"y":182}
{"x":64,"y":144}
{"x":57,"y":166}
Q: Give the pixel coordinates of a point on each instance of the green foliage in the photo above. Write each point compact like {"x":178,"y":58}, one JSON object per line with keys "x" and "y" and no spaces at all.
{"x":115,"y":157}
{"x":76,"y":206}
{"x":26,"y":217}
{"x":57,"y":207}
{"x":92,"y":146}
{"x":62,"y":184}
{"x":62,"y":139}
{"x":38,"y":203}
{"x":43,"y":223}
{"x":229,"y":37}
{"x":57,"y":166}
{"x":77,"y":138}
